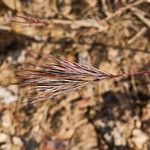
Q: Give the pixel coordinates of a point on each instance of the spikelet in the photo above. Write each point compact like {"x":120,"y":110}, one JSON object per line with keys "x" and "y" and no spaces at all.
{"x":58,"y":77}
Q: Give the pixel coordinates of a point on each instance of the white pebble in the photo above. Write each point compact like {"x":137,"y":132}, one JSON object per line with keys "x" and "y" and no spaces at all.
{"x":139,"y":138}
{"x":3,"y":137}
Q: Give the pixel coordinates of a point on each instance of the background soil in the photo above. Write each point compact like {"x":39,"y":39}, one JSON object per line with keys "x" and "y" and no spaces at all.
{"x":112,"y":114}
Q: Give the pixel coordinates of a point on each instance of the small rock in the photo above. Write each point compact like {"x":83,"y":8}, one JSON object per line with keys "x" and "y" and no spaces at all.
{"x":3,"y":137}
{"x":138,"y":123}
{"x":108,"y":138}
{"x":84,"y":57}
{"x":22,"y":56}
{"x":7,"y":146}
{"x":113,"y":54}
{"x":17,"y":141}
{"x":5,"y":142}
{"x":139,"y":138}
{"x":6,"y":120}
{"x":6,"y":95}
{"x":119,"y":140}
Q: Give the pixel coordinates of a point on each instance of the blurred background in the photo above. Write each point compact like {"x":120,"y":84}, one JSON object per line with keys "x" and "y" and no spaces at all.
{"x":112,"y":35}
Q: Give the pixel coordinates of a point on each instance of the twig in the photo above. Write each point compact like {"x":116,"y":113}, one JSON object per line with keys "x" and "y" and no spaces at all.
{"x":73,"y":24}
{"x":99,"y":25}
{"x":105,"y":8}
{"x":135,"y":9}
{"x":137,"y":35}
{"x":123,"y":9}
{"x":146,"y":21}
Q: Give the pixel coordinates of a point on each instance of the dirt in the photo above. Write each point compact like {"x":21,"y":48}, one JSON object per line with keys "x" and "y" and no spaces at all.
{"x":108,"y":115}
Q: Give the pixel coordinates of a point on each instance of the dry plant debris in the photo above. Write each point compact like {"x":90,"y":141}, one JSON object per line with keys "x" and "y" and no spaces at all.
{"x":58,"y":77}
{"x":110,"y":35}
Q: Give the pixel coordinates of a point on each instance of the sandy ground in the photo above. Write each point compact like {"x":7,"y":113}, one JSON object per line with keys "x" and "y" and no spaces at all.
{"x":109,"y":115}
